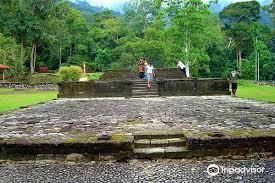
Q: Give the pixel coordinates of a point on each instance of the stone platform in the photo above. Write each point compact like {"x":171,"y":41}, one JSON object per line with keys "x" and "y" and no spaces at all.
{"x":70,"y":124}
{"x":66,"y":117}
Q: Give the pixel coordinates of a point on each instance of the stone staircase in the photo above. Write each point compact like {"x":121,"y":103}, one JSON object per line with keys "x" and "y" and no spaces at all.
{"x":160,"y":145}
{"x":140,"y":89}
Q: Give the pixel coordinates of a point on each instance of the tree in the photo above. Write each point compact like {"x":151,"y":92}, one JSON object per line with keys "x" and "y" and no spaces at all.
{"x":103,"y":59}
{"x":139,"y":15}
{"x":13,"y":21}
{"x":78,"y":29}
{"x":238,"y":19}
{"x":10,"y":55}
{"x":57,"y":30}
{"x":193,"y":29}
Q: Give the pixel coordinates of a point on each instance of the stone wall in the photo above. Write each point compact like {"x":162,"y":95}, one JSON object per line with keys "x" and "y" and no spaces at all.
{"x":171,"y":73}
{"x":26,"y":86}
{"x":231,"y":142}
{"x":163,"y":73}
{"x":119,"y":75}
{"x":123,"y":88}
{"x":193,"y":87}
{"x":92,"y":89}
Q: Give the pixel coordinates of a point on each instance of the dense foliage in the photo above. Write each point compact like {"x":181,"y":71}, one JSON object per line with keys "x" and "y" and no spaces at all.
{"x":54,"y":33}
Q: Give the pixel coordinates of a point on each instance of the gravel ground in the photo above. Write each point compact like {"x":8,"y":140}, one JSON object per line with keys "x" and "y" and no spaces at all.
{"x":66,"y":116}
{"x":135,"y":171}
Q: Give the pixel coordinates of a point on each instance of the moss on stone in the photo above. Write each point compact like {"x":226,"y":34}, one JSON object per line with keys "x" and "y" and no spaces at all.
{"x":83,"y":138}
{"x":232,"y":133}
{"x":135,"y":121}
{"x":251,"y":132}
{"x":118,"y":137}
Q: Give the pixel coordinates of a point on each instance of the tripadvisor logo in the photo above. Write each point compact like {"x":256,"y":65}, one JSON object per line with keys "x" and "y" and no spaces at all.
{"x":214,"y":170}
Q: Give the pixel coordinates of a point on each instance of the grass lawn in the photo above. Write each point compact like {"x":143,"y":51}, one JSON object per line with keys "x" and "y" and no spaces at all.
{"x":95,"y":76}
{"x":250,"y":90}
{"x":10,"y":99}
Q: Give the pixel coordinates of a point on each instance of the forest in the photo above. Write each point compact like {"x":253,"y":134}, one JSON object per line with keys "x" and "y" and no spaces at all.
{"x":54,"y":33}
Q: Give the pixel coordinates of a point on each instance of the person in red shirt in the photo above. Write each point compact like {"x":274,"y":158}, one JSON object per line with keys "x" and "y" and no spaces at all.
{"x":141,"y":68}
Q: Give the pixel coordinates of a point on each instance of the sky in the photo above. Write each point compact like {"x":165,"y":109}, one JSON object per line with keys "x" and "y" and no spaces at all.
{"x":118,"y":4}
{"x":110,"y":4}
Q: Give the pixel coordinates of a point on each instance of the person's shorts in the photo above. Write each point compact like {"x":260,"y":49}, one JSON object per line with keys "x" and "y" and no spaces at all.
{"x":234,"y":86}
{"x":149,"y":76}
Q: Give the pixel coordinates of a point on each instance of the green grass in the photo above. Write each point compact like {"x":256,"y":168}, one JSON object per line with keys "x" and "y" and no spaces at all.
{"x":10,"y":99}
{"x":250,"y":90}
{"x":95,"y":76}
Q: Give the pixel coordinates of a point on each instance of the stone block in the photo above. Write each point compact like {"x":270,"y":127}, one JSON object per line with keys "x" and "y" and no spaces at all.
{"x":176,"y":142}
{"x":155,"y":153}
{"x":176,"y":152}
{"x":159,"y":142}
{"x":143,"y":143}
{"x":159,"y":135}
{"x":175,"y":134}
{"x":141,"y":135}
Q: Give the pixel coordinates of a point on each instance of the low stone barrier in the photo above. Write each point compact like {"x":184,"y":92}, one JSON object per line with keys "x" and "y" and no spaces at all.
{"x":242,"y":143}
{"x":266,"y":142}
{"x":161,"y":73}
{"x":26,"y":86}
{"x":123,"y":88}
{"x":170,"y":73}
{"x":193,"y":87}
{"x":119,"y":75}
{"x":269,"y":83}
{"x":92,"y":89}
{"x":102,"y":146}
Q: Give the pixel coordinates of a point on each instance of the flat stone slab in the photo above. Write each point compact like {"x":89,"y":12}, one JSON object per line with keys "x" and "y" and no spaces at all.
{"x":66,"y":118}
{"x":159,"y":142}
{"x":143,"y":143}
{"x":172,"y":149}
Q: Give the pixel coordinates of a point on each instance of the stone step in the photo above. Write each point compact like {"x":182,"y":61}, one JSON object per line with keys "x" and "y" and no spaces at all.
{"x":138,"y":80}
{"x":157,"y":135}
{"x":143,"y":83}
{"x":145,"y":88}
{"x":145,"y":92}
{"x":153,"y":87}
{"x":141,"y":80}
{"x":162,"y":152}
{"x":146,"y":143}
{"x":145,"y":96}
{"x":143,"y":143}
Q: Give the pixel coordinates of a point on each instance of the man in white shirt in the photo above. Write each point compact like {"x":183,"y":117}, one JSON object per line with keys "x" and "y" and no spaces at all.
{"x":182,"y":67}
{"x":150,"y":73}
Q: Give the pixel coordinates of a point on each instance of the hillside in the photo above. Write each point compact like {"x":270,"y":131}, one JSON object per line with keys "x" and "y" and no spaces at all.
{"x":266,"y":18}
{"x":86,"y":8}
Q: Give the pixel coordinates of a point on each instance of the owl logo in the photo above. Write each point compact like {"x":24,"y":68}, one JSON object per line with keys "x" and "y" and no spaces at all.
{"x":213,"y":170}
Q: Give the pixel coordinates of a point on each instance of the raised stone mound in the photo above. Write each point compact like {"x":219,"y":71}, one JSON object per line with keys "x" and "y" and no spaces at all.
{"x":163,"y":73}
{"x":118,"y":75}
{"x":169,"y":73}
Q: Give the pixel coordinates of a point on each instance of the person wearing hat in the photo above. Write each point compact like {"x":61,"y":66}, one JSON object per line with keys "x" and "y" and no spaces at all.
{"x":234,"y":75}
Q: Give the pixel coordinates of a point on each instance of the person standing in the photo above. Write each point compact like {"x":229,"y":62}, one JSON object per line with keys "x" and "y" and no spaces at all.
{"x":141,"y":68}
{"x":182,"y":67}
{"x":234,"y":75}
{"x":145,"y":65}
{"x":150,"y":73}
